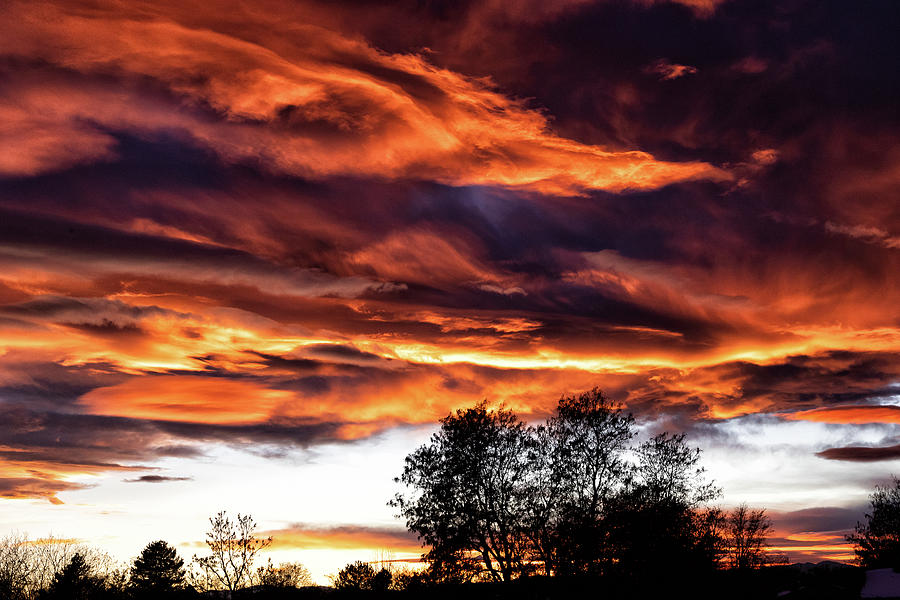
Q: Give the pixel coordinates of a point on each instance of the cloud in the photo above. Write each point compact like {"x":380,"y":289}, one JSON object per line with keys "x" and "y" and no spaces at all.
{"x":866,"y":413}
{"x":43,"y":144}
{"x":861,"y":453}
{"x":312,"y":103}
{"x":814,"y":534}
{"x":277,"y":225}
{"x":700,"y":8}
{"x":138,"y":254}
{"x":816,"y":519}
{"x":156,"y":479}
{"x":867,"y":233}
{"x":34,"y":487}
{"x":668,"y":71}
{"x":350,"y":537}
{"x":218,"y":401}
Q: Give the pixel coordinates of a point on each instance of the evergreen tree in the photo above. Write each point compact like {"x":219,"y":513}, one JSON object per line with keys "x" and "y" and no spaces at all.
{"x":157,"y":571}
{"x":74,"y":581}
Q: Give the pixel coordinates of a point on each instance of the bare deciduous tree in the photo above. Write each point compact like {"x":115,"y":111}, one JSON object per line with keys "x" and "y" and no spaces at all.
{"x":747,"y":533}
{"x":16,"y":566}
{"x":233,"y":548}
{"x":29,"y":566}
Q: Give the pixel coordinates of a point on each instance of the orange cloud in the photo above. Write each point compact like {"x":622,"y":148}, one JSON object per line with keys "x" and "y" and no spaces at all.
{"x":266,"y":302}
{"x":815,"y":536}
{"x":394,"y":116}
{"x":35,"y":487}
{"x":668,"y":71}
{"x":431,"y":257}
{"x":344,"y":537}
{"x":186,"y":398}
{"x":815,"y":552}
{"x":848,"y":414}
{"x":43,"y":144}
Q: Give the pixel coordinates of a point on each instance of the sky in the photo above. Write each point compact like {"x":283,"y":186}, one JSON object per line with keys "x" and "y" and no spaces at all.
{"x":251,"y":252}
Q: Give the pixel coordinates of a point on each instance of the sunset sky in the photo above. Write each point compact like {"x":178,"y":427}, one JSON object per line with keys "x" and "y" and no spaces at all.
{"x":251,"y":252}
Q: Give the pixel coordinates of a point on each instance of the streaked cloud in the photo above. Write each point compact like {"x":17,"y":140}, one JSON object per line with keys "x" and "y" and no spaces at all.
{"x":344,"y":537}
{"x":307,"y":102}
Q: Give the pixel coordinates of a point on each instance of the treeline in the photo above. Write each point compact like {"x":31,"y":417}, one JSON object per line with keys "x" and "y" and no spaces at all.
{"x":30,"y":569}
{"x":59,"y":569}
{"x":496,"y":499}
{"x":538,"y":510}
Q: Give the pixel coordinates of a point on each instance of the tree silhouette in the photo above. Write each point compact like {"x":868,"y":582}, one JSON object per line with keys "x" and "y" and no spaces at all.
{"x":669,"y":471}
{"x":572,"y":494}
{"x":468,"y":492}
{"x":877,"y":541}
{"x":16,"y":566}
{"x":285,"y":575}
{"x":381,"y":582}
{"x":358,"y":575}
{"x":657,"y":522}
{"x":747,"y":533}
{"x":233,"y":549}
{"x":28,"y":567}
{"x":74,"y":581}
{"x":579,"y":464}
{"x":157,"y":571}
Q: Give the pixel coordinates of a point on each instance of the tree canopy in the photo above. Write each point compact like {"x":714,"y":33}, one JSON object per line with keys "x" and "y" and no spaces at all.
{"x":358,"y":575}
{"x":468,"y":491}
{"x":495,"y":498}
{"x":75,"y":581}
{"x":158,"y":570}
{"x":877,"y":541}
